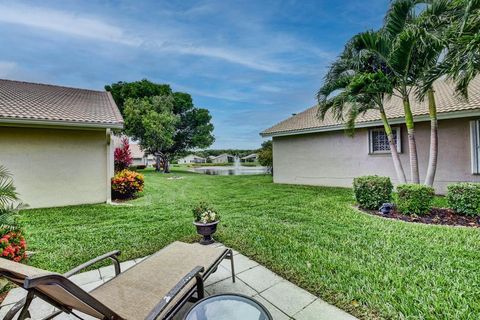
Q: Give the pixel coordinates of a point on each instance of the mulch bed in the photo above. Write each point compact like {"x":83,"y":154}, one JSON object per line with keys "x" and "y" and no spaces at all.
{"x":435,"y":216}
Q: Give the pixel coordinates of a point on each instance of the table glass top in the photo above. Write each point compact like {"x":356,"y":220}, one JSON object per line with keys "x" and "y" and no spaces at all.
{"x":227,"y":307}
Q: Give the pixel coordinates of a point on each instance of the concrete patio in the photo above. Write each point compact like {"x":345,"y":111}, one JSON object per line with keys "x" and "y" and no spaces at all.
{"x":282,"y":298}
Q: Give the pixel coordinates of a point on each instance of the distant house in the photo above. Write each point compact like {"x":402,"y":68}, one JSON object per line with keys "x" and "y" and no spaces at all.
{"x":56,"y":141}
{"x":223,"y":158}
{"x":191,"y":158}
{"x":140,"y":158}
{"x":307,"y":150}
{"x":250,"y":158}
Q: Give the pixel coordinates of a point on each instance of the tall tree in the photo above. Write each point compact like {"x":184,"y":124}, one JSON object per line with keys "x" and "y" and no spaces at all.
{"x":355,"y":84}
{"x":121,"y":91}
{"x":152,"y":122}
{"x":431,"y":24}
{"x":461,"y":59}
{"x":394,"y":45}
{"x":193,"y":128}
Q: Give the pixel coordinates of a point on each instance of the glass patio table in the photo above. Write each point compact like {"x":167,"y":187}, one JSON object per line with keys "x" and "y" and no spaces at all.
{"x":229,"y":306}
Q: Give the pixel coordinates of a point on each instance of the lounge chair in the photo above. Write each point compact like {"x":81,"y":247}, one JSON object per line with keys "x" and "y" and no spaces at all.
{"x":155,"y":288}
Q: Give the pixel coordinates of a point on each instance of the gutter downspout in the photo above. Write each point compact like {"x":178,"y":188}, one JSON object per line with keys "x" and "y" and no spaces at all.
{"x":109,"y":151}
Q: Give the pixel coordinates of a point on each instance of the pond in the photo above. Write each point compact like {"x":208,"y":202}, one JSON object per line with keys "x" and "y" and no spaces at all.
{"x":231,"y":170}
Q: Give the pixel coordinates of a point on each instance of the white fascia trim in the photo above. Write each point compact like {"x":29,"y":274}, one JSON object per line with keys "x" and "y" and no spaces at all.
{"x":59,"y":123}
{"x":376,"y":123}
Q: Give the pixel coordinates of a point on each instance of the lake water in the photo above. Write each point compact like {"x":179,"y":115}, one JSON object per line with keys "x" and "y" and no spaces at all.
{"x":231,"y":171}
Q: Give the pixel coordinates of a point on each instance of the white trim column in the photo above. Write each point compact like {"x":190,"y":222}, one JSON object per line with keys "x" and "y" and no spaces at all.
{"x":110,"y":165}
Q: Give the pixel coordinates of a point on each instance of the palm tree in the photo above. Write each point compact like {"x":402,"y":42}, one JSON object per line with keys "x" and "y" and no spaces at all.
{"x":427,"y":54}
{"x":461,"y":61}
{"x":9,"y":204}
{"x":361,"y":86}
{"x":396,"y":46}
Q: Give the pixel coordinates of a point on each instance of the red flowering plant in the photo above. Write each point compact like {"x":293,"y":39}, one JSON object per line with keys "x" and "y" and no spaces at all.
{"x":13,"y":246}
{"x":122,"y":156}
{"x":126,"y":184}
{"x":12,"y":242}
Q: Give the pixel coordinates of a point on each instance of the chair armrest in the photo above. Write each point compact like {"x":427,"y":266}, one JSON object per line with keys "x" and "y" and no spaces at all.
{"x":195,"y":273}
{"x":59,"y":280}
{"x":110,"y":255}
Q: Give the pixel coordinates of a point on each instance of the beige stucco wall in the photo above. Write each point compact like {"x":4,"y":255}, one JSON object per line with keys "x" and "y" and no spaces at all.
{"x":57,"y":167}
{"x":333,"y":159}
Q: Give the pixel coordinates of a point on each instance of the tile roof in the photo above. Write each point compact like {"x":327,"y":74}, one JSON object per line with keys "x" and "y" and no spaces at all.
{"x":448,"y":103}
{"x":34,"y":102}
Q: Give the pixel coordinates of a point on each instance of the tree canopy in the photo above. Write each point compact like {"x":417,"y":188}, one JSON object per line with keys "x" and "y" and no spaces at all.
{"x":166,"y":123}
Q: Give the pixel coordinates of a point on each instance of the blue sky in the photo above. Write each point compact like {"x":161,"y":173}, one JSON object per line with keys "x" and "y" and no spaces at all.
{"x":251,"y":63}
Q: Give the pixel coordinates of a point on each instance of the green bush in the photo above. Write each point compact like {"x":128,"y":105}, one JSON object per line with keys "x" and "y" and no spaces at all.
{"x":372,"y":191}
{"x":464,"y":198}
{"x":415,"y":198}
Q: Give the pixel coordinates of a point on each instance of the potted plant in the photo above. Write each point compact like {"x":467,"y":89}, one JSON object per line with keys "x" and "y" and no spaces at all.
{"x":205,"y":220}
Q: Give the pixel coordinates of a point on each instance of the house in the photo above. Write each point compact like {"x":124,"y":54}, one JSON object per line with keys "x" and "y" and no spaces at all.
{"x":309,"y":151}
{"x":223,"y":158}
{"x":191,"y":158}
{"x":250,"y":158}
{"x":56,"y":141}
{"x":139,"y":157}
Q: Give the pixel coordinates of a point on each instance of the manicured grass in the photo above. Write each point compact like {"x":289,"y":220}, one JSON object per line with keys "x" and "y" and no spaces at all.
{"x":370,"y":266}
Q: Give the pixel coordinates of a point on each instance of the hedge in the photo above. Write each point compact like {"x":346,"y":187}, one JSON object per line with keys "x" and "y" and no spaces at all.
{"x":372,"y":191}
{"x":464,"y":198}
{"x":414,"y":198}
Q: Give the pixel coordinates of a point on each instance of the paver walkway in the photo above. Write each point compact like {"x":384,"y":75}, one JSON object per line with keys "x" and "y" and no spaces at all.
{"x":282,"y":298}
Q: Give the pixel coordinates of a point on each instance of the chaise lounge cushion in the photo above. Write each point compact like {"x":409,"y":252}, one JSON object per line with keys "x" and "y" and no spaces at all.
{"x":135,"y":292}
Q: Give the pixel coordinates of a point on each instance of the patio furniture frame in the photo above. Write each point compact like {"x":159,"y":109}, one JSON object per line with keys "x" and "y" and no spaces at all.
{"x":31,"y":283}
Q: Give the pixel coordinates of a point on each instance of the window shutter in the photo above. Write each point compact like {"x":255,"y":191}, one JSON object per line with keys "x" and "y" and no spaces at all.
{"x":475,"y":145}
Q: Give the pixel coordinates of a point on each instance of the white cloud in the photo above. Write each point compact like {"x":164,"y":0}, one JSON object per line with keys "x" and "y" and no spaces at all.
{"x":169,"y":38}
{"x":63,"y":22}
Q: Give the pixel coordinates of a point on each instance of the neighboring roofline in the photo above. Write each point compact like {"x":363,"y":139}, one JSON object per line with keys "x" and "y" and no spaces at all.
{"x":51,"y":85}
{"x":59,"y":123}
{"x":375,"y":123}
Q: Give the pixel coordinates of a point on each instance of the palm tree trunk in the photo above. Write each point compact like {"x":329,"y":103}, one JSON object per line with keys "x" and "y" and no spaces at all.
{"x":393,"y":150}
{"x":432,"y":160}
{"x":412,"y":144}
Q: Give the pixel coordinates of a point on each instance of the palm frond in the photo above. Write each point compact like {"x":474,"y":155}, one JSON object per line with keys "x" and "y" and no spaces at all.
{"x":398,"y":14}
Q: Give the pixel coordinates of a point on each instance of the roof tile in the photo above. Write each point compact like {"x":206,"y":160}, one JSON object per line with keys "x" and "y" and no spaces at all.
{"x":42,"y":102}
{"x":446,"y":98}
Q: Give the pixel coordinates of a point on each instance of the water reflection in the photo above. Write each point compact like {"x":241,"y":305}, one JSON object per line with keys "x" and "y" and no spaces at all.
{"x":231,"y":171}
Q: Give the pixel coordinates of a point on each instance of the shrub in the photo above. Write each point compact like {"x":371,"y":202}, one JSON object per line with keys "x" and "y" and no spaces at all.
{"x":205,"y":213}
{"x":141,"y":167}
{"x":464,"y":198}
{"x":13,"y":246}
{"x":265,"y":155}
{"x":126,"y":184}
{"x":372,"y":191}
{"x":415,"y":198}
{"x":122,"y":156}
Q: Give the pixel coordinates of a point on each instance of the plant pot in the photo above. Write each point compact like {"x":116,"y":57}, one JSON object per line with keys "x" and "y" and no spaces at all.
{"x":206,"y":230}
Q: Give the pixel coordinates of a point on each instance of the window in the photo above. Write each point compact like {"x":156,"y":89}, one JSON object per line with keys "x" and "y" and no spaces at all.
{"x":378,"y":140}
{"x":475,"y":145}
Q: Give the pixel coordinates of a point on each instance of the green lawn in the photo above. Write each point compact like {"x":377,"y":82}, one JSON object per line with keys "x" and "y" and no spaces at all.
{"x":369,"y":266}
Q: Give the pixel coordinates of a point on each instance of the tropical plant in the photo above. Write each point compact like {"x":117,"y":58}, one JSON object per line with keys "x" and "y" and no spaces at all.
{"x":126,"y":184}
{"x":9,"y":202}
{"x":461,"y":59}
{"x":356,"y":83}
{"x":122,"y":156}
{"x":13,"y":246}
